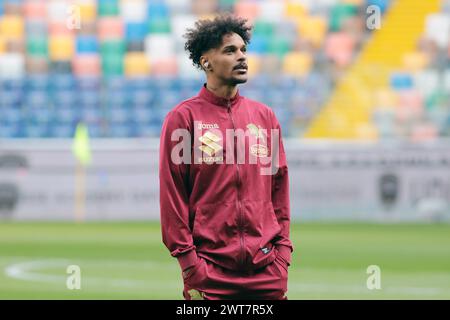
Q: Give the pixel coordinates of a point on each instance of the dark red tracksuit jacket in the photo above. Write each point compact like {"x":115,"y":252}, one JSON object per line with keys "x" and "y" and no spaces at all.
{"x":227,"y":213}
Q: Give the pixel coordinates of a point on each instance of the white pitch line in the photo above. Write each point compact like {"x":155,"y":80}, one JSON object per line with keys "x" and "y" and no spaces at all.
{"x":26,"y":271}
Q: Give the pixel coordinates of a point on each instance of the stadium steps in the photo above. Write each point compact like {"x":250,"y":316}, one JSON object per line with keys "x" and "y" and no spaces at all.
{"x":346,"y":115}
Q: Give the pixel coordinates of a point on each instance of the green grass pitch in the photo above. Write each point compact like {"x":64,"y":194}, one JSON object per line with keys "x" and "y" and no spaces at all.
{"x":129,"y":261}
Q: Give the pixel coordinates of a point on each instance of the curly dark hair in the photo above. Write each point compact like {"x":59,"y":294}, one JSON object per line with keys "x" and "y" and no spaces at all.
{"x":208,"y":34}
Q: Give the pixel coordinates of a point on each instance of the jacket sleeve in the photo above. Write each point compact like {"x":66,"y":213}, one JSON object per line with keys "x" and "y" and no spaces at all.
{"x":280,"y":198}
{"x":174,"y":194}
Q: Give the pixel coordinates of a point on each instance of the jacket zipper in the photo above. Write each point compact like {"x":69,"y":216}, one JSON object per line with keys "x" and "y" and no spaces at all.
{"x":240,"y":219}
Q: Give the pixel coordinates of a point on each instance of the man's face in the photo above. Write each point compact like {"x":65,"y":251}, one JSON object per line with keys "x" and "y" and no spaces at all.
{"x":229,"y":61}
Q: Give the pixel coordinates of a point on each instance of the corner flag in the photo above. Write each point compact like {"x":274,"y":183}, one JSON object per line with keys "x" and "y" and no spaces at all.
{"x":81,"y":148}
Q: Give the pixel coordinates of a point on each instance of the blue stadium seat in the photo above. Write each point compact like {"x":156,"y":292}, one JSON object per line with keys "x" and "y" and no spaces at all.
{"x":38,"y":115}
{"x":118,"y":115}
{"x":124,"y":130}
{"x":91,"y":115}
{"x":143,"y":115}
{"x":135,"y":31}
{"x":65,"y":98}
{"x":66,"y":115}
{"x":11,"y":130}
{"x":148,"y":130}
{"x":95,"y":130}
{"x":401,"y":81}
{"x":38,"y":82}
{"x":258,"y":45}
{"x":36,"y":99}
{"x":12,"y":84}
{"x":382,"y":4}
{"x":89,"y":99}
{"x":88,"y":83}
{"x":141,"y":98}
{"x":87,"y":44}
{"x":62,"y":82}
{"x":158,"y":9}
{"x":144,"y":83}
{"x":62,"y":130}
{"x":34,"y":130}
{"x":11,"y":100}
{"x":10,"y":115}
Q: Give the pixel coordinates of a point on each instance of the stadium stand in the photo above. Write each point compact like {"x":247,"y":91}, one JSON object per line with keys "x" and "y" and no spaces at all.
{"x":123,"y":67}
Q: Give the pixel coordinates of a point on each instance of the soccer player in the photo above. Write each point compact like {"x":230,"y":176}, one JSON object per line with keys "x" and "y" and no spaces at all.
{"x":224,"y":187}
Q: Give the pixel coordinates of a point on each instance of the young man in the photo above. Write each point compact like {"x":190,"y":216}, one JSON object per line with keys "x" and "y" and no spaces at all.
{"x":224,"y":187}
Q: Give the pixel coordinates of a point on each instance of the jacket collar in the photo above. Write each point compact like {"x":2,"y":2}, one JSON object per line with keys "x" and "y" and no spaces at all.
{"x":219,"y":101}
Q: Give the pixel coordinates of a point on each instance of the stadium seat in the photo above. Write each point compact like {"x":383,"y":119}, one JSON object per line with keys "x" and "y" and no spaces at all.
{"x":12,"y":26}
{"x":2,"y":44}
{"x":186,"y":68}
{"x":437,"y":28}
{"x":91,"y":115}
{"x":34,"y":9}
{"x":134,"y":11}
{"x":160,"y":45}
{"x":86,"y":65}
{"x":382,"y":4}
{"x":126,"y":130}
{"x":10,"y":115}
{"x":340,"y":13}
{"x":59,"y":130}
{"x":62,"y":82}
{"x":136,"y":46}
{"x":12,"y":65}
{"x":118,"y":115}
{"x":65,"y":114}
{"x":270,"y":64}
{"x":159,"y":25}
{"x":36,"y":28}
{"x":415,"y":61}
{"x":272,"y":11}
{"x":37,"y":46}
{"x":107,"y":8}
{"x":178,"y":7}
{"x":339,"y":47}
{"x":295,"y":10}
{"x":279,"y":46}
{"x":258,"y":45}
{"x":427,"y":81}
{"x":254,"y":64}
{"x":88,"y":10}
{"x":36,"y":65}
{"x":179,"y":24}
{"x":37,"y":99}
{"x":61,"y":48}
{"x":86,"y":44}
{"x":313,"y":28}
{"x":56,"y":9}
{"x":136,"y":64}
{"x":297,"y":64}
{"x":400,"y":81}
{"x":110,"y":28}
{"x":247,"y":9}
{"x":385,"y":98}
{"x":424,"y":132}
{"x":37,"y":82}
{"x":135,"y":31}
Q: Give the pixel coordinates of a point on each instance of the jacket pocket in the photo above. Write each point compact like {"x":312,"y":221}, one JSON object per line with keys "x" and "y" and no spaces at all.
{"x":196,"y":275}
{"x":280,"y":261}
{"x":214,"y":226}
{"x":262,"y":231}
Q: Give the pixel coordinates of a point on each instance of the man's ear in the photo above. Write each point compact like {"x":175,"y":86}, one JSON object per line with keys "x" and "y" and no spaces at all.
{"x":204,"y":63}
